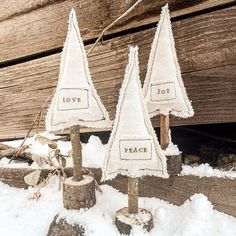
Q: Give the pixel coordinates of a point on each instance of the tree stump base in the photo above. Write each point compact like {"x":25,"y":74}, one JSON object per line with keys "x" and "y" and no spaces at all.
{"x":63,"y":228}
{"x":79,"y":194}
{"x":125,"y":221}
{"x":174,"y":164}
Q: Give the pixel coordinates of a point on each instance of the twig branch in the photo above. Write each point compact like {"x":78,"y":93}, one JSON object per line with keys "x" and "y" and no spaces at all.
{"x":112,"y":24}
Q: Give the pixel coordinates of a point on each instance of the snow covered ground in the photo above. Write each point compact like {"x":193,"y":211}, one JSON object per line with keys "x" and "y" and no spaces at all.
{"x":23,"y":216}
{"x":20,"y":214}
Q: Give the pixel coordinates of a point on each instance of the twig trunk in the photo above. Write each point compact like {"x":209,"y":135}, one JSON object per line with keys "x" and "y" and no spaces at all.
{"x":132,"y":195}
{"x":164,"y":131}
{"x":76,"y":152}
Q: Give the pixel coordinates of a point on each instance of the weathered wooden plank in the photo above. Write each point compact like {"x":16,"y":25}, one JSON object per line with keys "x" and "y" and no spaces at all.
{"x":25,"y":86}
{"x":32,"y":26}
{"x":221,"y":192}
{"x":207,"y":52}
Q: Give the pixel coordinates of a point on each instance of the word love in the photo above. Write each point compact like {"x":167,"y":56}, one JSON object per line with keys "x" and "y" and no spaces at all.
{"x":72,"y":99}
{"x":135,"y":150}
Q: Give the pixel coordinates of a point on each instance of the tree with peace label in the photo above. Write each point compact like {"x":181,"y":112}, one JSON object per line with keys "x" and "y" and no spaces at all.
{"x":163,"y":88}
{"x":133,"y":149}
{"x":76,"y":103}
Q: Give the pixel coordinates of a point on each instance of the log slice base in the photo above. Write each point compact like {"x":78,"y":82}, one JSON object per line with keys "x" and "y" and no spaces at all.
{"x":174,"y":164}
{"x":125,"y":221}
{"x":63,"y":228}
{"x":79,"y":194}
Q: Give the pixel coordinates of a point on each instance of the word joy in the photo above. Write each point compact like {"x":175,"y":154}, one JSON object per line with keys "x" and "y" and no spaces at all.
{"x":135,"y":150}
{"x":163,"y":91}
{"x":72,"y":99}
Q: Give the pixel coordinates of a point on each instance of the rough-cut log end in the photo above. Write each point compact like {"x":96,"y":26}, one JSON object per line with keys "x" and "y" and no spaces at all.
{"x":79,"y":194}
{"x":125,"y":221}
{"x":174,"y":164}
{"x":62,"y":228}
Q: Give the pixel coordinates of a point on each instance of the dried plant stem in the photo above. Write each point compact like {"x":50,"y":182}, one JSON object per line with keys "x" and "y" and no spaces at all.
{"x":112,"y":24}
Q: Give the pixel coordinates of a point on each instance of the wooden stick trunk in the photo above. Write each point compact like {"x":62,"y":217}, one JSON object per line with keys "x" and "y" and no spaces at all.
{"x":76,"y":152}
{"x":132,"y":195}
{"x":164,"y":131}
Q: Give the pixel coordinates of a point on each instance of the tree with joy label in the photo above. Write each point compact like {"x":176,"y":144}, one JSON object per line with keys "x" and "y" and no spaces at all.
{"x":163,"y":88}
{"x":133,"y":149}
{"x":76,"y":103}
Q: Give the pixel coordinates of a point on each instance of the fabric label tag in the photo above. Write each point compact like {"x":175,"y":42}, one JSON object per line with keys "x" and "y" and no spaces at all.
{"x":135,"y":149}
{"x":163,"y":91}
{"x":72,"y":99}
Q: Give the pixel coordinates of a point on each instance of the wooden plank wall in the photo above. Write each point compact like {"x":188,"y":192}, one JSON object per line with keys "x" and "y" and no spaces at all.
{"x":32,"y":33}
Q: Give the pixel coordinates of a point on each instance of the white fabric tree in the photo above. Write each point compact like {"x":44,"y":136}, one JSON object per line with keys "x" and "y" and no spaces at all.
{"x":76,"y":101}
{"x":133,"y":148}
{"x":163,"y":88}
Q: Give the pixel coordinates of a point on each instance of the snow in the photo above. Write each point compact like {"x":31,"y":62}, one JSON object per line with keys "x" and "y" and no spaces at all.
{"x":22,"y":216}
{"x":94,"y":154}
{"x":205,"y":170}
{"x":172,"y":149}
{"x":33,"y":217}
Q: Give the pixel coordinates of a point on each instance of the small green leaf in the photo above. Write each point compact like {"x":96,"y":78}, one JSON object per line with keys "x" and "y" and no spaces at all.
{"x":63,"y":162}
{"x":53,"y":145}
{"x":32,"y":178}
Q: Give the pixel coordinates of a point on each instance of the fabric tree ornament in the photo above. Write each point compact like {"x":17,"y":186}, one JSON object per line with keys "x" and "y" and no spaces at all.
{"x":163,"y":88}
{"x":133,"y":149}
{"x":76,"y":103}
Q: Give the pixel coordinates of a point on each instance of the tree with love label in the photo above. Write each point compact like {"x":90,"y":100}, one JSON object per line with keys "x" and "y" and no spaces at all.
{"x":133,"y":149}
{"x":163,"y":88}
{"x":76,"y":103}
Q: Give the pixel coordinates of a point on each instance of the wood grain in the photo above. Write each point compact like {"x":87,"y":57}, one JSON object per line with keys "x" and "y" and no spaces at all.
{"x":31,"y":26}
{"x":177,"y":189}
{"x":207,"y":54}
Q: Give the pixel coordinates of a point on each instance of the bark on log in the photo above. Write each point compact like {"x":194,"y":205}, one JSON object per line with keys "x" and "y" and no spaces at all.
{"x":174,"y":164}
{"x":124,"y":221}
{"x":62,"y":228}
{"x":79,"y":194}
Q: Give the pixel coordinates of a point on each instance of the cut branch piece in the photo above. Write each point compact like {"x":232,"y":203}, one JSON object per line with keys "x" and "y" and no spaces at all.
{"x":164,"y":131}
{"x":76,"y":152}
{"x":15,"y":153}
{"x":132,"y":195}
